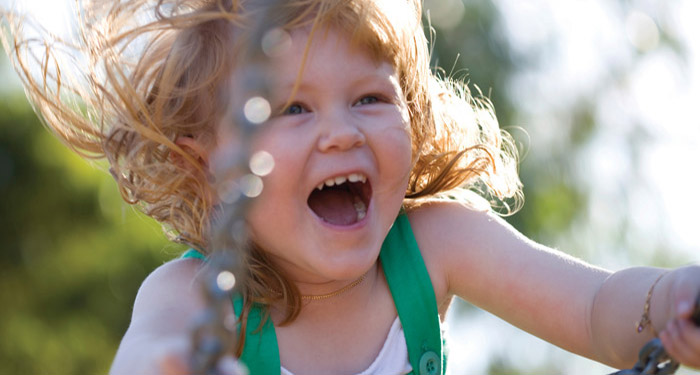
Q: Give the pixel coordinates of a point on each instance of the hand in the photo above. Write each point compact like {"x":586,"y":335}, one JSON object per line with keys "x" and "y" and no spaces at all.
{"x":165,"y":356}
{"x":681,"y":336}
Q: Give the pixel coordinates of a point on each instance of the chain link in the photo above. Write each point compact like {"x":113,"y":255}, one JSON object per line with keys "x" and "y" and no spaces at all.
{"x":214,"y":332}
{"x":653,"y":359}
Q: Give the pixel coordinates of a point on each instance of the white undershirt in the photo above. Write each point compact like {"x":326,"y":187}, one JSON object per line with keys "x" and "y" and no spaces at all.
{"x":391,"y":360}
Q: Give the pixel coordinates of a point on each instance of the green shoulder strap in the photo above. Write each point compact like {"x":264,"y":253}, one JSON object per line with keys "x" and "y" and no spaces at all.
{"x":193,"y":253}
{"x":414,"y":298}
{"x":260,"y":350}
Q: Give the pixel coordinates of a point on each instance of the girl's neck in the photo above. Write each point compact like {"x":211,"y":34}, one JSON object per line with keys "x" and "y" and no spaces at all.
{"x":344,"y":333}
{"x":337,"y":292}
{"x":336,"y":298}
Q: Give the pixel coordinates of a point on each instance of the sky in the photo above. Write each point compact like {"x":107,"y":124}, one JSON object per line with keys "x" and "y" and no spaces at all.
{"x":653,"y":98}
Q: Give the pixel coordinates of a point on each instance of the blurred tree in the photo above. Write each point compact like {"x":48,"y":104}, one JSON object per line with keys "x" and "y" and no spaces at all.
{"x":74,"y":254}
{"x":474,"y":48}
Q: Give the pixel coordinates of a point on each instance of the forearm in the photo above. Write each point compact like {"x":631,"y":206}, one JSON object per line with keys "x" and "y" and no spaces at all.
{"x":618,"y":308}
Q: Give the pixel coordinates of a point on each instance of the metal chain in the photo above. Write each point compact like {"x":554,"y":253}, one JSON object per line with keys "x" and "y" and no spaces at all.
{"x":653,"y":358}
{"x":214,"y":332}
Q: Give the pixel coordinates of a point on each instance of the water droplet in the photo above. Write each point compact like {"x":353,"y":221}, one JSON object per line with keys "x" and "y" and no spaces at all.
{"x":225,"y":280}
{"x":251,"y":185}
{"x":276,"y":42}
{"x":262,"y":163}
{"x":257,"y":110}
{"x":228,"y":191}
{"x":239,"y":229}
{"x":230,"y":322}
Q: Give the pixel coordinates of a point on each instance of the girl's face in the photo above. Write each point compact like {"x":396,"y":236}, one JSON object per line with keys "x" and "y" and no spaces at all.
{"x":342,"y":155}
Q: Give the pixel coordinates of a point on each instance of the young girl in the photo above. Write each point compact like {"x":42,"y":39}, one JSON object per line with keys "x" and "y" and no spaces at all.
{"x":366,"y":229}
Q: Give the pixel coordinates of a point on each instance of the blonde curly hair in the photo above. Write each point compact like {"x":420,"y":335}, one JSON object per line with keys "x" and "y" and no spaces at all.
{"x":152,"y":71}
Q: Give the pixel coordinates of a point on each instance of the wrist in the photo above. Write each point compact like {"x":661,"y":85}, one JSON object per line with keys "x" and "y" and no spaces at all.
{"x":676,"y":288}
{"x":645,"y":322}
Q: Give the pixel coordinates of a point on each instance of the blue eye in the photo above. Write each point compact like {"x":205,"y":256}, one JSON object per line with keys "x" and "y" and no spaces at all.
{"x":369,"y":99}
{"x":294,"y":109}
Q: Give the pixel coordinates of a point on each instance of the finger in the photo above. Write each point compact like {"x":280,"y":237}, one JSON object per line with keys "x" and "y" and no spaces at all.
{"x":685,"y":290}
{"x":680,"y":343}
{"x":230,"y":366}
{"x":695,"y":316}
{"x":173,"y":365}
{"x":684,"y":309}
{"x":683,"y":303}
{"x":689,"y":335}
{"x":667,"y":339}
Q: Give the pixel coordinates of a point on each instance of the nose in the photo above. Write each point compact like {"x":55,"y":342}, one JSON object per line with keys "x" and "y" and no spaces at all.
{"x":340,"y":133}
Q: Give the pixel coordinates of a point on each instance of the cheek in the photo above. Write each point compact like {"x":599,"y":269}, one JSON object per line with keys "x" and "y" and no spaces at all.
{"x":403,"y":153}
{"x":285,"y":145}
{"x":397,"y":141}
{"x":393,"y":153}
{"x":279,"y":191}
{"x":262,"y":222}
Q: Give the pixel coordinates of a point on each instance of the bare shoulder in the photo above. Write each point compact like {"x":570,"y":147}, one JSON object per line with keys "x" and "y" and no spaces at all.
{"x":443,"y":212}
{"x":463,"y":245}
{"x":167,"y":300}
{"x":445,"y":226}
{"x":450,"y":234}
{"x":171,"y":283}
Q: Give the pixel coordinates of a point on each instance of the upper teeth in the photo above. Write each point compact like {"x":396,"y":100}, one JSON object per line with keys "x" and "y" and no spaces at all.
{"x":338,"y":180}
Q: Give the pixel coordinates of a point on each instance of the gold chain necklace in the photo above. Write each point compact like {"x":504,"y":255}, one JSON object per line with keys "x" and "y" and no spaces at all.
{"x":316,"y":297}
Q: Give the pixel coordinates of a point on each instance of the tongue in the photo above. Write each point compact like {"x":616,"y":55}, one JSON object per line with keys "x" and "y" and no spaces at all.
{"x":334,"y":205}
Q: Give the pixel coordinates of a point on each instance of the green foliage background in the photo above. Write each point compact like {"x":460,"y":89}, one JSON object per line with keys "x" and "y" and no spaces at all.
{"x":74,"y":254}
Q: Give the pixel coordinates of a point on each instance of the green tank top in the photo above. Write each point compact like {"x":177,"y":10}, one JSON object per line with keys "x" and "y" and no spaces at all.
{"x":413,"y":295}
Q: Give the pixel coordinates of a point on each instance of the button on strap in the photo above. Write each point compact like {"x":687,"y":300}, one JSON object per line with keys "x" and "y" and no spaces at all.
{"x":429,"y":363}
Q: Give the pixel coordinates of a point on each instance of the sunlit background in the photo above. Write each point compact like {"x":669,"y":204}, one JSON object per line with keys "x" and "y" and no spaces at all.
{"x":602,"y":97}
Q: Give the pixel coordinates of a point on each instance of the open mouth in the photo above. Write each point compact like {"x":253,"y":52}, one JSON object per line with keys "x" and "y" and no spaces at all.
{"x":341,"y":200}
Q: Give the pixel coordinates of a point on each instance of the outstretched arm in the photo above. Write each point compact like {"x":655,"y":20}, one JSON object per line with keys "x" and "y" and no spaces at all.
{"x":581,"y":308}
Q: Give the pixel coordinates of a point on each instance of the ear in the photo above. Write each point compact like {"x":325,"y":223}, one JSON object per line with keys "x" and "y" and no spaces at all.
{"x":193,"y":148}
